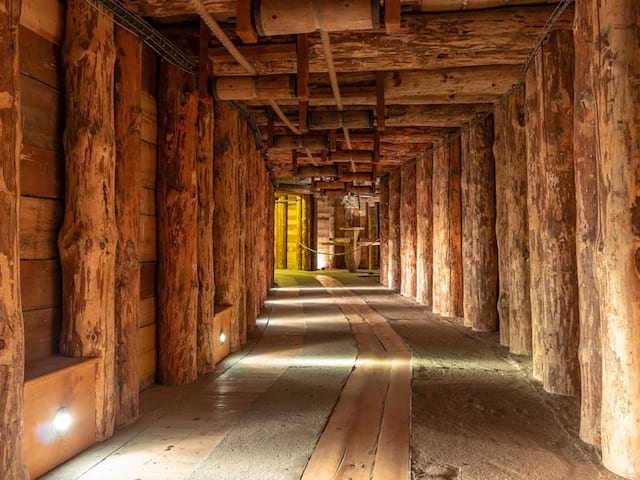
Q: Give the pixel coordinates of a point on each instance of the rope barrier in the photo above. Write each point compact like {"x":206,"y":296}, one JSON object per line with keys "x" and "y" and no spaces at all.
{"x":377,"y":242}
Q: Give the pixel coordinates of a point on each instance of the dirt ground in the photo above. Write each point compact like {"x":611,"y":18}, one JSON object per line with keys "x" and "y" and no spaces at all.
{"x":476,"y":412}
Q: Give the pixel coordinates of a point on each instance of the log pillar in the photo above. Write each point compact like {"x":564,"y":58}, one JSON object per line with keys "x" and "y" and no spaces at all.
{"x":228,"y":219}
{"x":502,"y":156}
{"x":617,"y":96}
{"x":128,"y":121}
{"x":281,"y":214}
{"x":384,"y":231}
{"x":373,"y":234}
{"x":206,"y":281}
{"x":88,"y":238}
{"x":587,"y":221}
{"x":305,"y":231}
{"x":479,"y":248}
{"x":559,"y":287}
{"x":534,"y":208}
{"x":11,"y":321}
{"x":518,"y":227}
{"x":447,"y":230}
{"x":177,"y":228}
{"x":512,"y":227}
{"x":424,"y":229}
{"x":393,"y":263}
{"x":408,"y":220}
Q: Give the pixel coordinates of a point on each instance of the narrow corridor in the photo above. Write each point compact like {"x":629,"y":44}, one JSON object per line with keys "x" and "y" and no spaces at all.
{"x":291,"y":405}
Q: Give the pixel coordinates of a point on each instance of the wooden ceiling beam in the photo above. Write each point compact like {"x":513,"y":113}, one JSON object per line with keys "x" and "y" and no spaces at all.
{"x":244,"y":24}
{"x":439,"y":115}
{"x":444,"y":40}
{"x":283,"y":117}
{"x":487,"y":81}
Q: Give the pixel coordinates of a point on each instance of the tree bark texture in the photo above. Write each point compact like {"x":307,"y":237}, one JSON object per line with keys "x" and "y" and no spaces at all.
{"x":228,"y":219}
{"x":479,"y":248}
{"x":206,"y":279}
{"x":617,"y":97}
{"x":587,"y":221}
{"x":561,"y":370}
{"x":128,"y":121}
{"x":88,"y":238}
{"x":11,"y":321}
{"x":393,"y":264}
{"x":424,"y":229}
{"x":534,"y":209}
{"x":447,"y":230}
{"x":408,"y":220}
{"x":512,"y":226}
{"x":384,"y":231}
{"x":501,"y":157}
{"x":518,"y":226}
{"x":242,"y":142}
{"x":177,"y":228}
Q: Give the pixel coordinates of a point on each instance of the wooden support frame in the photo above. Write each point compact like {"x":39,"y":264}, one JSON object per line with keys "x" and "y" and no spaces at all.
{"x":270,"y":121}
{"x":128,"y":121}
{"x":276,"y":108}
{"x":244,"y":24}
{"x":392,"y":16}
{"x":302,"y":79}
{"x":380,"y":111}
{"x":88,"y":327}
{"x":333,"y":140}
{"x":12,"y":323}
{"x":177,"y":225}
{"x":204,"y":62}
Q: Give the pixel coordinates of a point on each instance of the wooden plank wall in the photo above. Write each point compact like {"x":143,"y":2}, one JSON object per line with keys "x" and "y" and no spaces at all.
{"x":42,"y":187}
{"x":41,"y":179}
{"x":147,"y":309}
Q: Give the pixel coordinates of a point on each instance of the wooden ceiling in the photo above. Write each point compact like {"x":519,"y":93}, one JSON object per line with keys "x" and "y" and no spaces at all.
{"x":444,"y":63}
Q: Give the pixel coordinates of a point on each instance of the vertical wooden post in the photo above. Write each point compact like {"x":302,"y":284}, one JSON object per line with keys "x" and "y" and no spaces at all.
{"x":534,"y":208}
{"x":88,"y":237}
{"x":251,"y":265}
{"x":305,"y":231}
{"x":502,"y":156}
{"x":177,"y":228}
{"x":587,"y":221}
{"x":128,"y":121}
{"x":408,"y":220}
{"x":479,"y":246}
{"x":11,"y":321}
{"x":373,"y":233}
{"x":512,"y":227}
{"x":617,"y":97}
{"x":241,"y":203}
{"x":518,"y":226}
{"x":561,"y":371}
{"x":228,"y":241}
{"x":206,"y":279}
{"x":393,"y":264}
{"x":384,"y":231}
{"x":281,"y":231}
{"x":424,"y":229}
{"x":447,"y":230}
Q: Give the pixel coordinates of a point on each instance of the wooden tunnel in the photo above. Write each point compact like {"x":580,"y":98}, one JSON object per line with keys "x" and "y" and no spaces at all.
{"x":148,"y":194}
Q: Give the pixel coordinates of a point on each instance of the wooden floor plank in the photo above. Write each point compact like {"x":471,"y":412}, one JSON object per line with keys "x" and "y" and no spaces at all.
{"x":375,"y":406}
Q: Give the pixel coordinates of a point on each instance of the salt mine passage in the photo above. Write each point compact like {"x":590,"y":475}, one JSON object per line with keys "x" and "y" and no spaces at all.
{"x":319,"y":240}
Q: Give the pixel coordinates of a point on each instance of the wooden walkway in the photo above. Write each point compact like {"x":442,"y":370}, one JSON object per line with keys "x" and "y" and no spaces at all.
{"x":368,"y":433}
{"x":283,"y":389}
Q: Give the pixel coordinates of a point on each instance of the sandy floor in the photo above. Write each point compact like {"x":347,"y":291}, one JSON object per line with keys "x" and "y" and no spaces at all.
{"x":475,"y":413}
